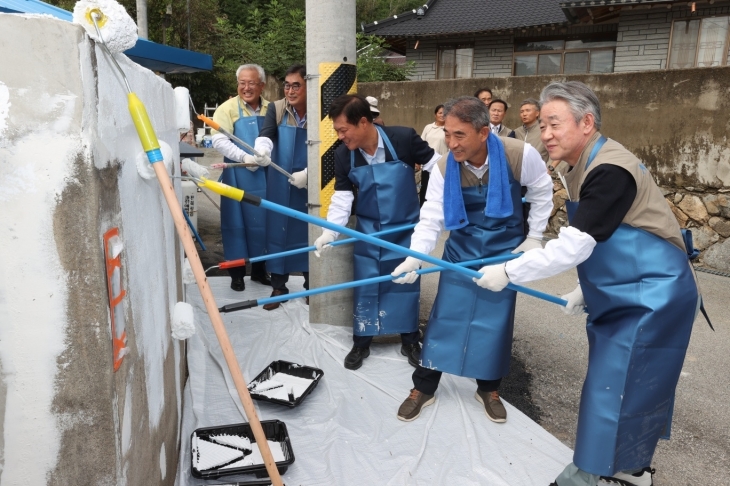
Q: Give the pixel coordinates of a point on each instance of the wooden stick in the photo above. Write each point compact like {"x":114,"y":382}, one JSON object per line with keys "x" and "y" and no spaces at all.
{"x":216,"y":321}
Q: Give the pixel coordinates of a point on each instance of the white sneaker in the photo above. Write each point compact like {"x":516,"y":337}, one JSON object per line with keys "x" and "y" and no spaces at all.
{"x":644,"y":478}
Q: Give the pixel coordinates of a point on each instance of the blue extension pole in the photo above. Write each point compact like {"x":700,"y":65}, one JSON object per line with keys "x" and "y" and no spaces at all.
{"x":247,"y":304}
{"x":334,"y":243}
{"x":390,"y":246}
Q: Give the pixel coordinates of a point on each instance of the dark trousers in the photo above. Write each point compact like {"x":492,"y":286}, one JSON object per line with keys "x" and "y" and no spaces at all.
{"x":364,"y":341}
{"x":424,"y":186}
{"x":257,"y":268}
{"x":427,"y":381}
{"x":279,"y":280}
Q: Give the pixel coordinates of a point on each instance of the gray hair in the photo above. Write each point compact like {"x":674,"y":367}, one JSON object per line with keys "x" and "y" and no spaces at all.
{"x":468,"y":110}
{"x":531,"y":101}
{"x":580,"y":98}
{"x":256,"y":67}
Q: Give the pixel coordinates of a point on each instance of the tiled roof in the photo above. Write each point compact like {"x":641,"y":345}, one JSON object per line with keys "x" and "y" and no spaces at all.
{"x":448,"y":17}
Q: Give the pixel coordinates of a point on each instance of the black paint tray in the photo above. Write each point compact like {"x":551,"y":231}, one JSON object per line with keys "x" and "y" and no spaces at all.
{"x":274,"y":430}
{"x":293,"y":369}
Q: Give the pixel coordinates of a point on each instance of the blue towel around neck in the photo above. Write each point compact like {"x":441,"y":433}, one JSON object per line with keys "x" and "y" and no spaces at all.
{"x":498,"y":197}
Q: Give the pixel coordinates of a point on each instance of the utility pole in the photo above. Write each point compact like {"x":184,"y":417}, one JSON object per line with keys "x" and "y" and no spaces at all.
{"x":330,"y":39}
{"x":142,"y":31}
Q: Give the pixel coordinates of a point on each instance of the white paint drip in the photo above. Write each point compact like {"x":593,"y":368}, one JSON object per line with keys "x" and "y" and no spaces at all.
{"x":280,"y":385}
{"x":236,"y":441}
{"x":4,"y":106}
{"x":163,"y":462}
{"x":255,"y":458}
{"x":118,"y":30}
{"x":207,"y":455}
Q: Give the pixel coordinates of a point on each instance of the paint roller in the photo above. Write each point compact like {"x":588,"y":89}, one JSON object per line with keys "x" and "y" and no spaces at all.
{"x":240,"y":195}
{"x":107,"y":17}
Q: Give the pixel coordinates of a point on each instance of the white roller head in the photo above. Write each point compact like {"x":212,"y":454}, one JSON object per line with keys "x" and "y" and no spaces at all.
{"x":182,"y":109}
{"x":145,"y":169}
{"x":117,"y":28}
{"x":183,"y":323}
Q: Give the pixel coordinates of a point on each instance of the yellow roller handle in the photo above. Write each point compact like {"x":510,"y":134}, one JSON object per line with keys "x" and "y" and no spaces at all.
{"x":142,"y":123}
{"x":222,"y":189}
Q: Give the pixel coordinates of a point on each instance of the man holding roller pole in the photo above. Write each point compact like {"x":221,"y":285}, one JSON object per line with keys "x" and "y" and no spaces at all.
{"x":284,"y":138}
{"x":243,"y":226}
{"x":378,"y":163}
{"x":474,"y":192}
{"x":636,"y":283}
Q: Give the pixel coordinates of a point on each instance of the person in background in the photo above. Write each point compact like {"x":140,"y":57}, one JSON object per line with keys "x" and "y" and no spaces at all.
{"x":474,"y":193}
{"x":433,"y":134}
{"x":530,"y":130}
{"x":373,"y":102}
{"x":484,"y":95}
{"x":497,"y":112}
{"x":284,"y":138}
{"x":636,"y":284}
{"x":243,"y":226}
{"x":378,"y":163}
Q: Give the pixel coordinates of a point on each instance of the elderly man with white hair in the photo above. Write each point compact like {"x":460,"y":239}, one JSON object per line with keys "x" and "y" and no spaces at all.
{"x":636,"y":284}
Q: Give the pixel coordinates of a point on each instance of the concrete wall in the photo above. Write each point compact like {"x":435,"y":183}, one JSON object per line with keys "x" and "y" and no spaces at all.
{"x":67,"y":174}
{"x":675,"y":121}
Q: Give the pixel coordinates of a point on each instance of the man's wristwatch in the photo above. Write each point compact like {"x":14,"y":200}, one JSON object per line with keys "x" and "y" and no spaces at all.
{"x":551,"y":168}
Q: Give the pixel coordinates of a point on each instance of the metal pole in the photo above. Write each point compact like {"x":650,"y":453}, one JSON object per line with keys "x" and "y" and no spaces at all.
{"x":331,"y":31}
{"x":142,"y":31}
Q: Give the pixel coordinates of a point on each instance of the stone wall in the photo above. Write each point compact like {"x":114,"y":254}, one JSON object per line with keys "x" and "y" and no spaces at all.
{"x":675,"y":121}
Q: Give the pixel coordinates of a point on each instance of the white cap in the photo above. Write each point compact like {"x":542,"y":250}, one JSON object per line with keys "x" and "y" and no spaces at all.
{"x":373,"y":104}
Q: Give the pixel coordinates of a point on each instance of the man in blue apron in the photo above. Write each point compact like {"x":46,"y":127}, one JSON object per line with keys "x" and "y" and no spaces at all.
{"x":474,"y":192}
{"x":243,"y":226}
{"x":378,"y":163}
{"x":636,"y":284}
{"x":283,"y":138}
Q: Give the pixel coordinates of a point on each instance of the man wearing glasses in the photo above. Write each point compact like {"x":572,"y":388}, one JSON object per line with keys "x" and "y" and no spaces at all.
{"x":243,"y":226}
{"x":283,"y":138}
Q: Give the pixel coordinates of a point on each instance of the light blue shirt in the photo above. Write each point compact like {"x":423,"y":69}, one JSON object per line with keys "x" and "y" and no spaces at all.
{"x":379,"y":156}
{"x":300,"y":121}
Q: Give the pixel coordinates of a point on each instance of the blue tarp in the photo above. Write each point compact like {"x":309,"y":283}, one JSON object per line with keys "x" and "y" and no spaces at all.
{"x":153,"y":56}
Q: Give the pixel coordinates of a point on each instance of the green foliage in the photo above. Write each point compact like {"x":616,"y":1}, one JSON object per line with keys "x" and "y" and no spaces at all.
{"x":371,"y":65}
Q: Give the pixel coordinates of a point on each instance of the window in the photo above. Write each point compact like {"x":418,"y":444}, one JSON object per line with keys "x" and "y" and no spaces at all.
{"x":564,"y":57}
{"x":455,"y":61}
{"x":699,"y":43}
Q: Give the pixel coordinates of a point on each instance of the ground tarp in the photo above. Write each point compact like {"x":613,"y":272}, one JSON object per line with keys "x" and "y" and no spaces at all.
{"x":346,"y":431}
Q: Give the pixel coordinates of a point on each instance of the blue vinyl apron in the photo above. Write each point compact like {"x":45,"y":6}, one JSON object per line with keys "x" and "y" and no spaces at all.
{"x":641,"y":298}
{"x":469,"y":332}
{"x":243,"y":226}
{"x":282,"y":232}
{"x":386,"y":198}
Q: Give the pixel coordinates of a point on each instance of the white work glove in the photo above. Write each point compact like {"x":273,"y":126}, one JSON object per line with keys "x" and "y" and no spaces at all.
{"x":530,"y":243}
{"x":409,"y":267}
{"x":576,"y":303}
{"x":250,"y":159}
{"x":263,"y":159}
{"x":323,"y":242}
{"x":494,"y":277}
{"x":299,"y":179}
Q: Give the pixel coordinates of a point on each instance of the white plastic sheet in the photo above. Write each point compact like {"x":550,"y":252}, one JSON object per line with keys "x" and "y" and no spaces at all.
{"x":346,"y":431}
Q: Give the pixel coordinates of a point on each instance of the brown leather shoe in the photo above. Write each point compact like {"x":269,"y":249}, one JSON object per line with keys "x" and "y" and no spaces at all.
{"x":275,"y":305}
{"x":411,"y":408}
{"x":492,"y":405}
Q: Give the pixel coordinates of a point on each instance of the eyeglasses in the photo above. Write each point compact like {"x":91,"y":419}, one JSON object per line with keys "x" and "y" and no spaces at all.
{"x":293,"y":86}
{"x":249,"y":84}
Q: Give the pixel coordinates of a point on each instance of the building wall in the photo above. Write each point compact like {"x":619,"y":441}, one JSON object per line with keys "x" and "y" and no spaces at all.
{"x":68,"y":174}
{"x":674,"y":121}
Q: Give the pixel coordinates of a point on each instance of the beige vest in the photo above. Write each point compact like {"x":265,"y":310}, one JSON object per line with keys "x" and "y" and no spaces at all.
{"x":280,"y":106}
{"x":532,"y":136}
{"x":649,"y":211}
{"x":513,"y":150}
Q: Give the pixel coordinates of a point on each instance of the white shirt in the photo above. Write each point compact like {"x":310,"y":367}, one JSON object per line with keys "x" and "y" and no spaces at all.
{"x":539,"y":194}
{"x":379,"y":156}
{"x":495,"y":128}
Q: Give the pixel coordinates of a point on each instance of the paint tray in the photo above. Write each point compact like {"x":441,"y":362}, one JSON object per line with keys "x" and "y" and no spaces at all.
{"x":274,"y":430}
{"x":296,"y":370}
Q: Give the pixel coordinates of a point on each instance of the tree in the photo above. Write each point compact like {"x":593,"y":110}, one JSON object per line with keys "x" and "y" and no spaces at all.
{"x":371,"y":63}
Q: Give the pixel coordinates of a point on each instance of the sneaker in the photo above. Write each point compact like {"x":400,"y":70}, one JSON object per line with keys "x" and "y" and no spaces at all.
{"x":275,"y":305}
{"x":412,"y":352}
{"x":492,"y":405}
{"x":237,"y":284}
{"x":411,"y":408}
{"x":354,"y":358}
{"x":641,"y":478}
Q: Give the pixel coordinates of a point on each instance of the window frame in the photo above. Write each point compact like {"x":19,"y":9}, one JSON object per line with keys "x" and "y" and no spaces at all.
{"x":723,"y":59}
{"x":454,"y":46}
{"x":562,"y":53}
